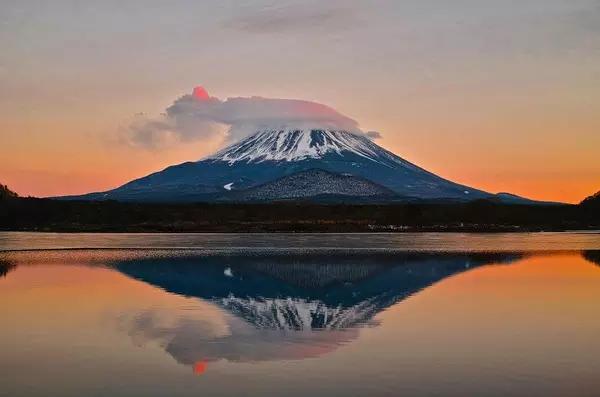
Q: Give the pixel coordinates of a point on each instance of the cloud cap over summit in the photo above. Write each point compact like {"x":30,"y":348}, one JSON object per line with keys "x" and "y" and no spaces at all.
{"x":198,"y":115}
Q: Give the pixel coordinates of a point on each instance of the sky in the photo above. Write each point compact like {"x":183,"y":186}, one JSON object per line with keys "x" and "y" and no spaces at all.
{"x":501,"y":95}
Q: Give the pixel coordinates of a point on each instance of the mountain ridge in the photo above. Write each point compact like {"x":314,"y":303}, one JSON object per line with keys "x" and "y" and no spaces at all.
{"x":593,"y":200}
{"x":271,"y":154}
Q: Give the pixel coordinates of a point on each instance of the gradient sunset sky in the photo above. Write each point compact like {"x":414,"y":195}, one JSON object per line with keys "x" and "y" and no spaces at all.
{"x":501,"y":95}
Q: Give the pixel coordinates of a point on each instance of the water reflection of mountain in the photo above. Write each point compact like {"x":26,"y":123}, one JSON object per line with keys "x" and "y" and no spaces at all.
{"x":282,"y":307}
{"x":304,"y":292}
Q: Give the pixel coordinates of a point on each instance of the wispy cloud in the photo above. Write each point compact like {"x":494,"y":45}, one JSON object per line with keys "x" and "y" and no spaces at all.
{"x":280,"y":18}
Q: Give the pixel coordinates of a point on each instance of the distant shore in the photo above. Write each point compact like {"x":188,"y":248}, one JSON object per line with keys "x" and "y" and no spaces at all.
{"x":46,"y":215}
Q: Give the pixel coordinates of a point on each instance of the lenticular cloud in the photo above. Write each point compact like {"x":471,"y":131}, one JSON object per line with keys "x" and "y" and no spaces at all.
{"x":200,"y":116}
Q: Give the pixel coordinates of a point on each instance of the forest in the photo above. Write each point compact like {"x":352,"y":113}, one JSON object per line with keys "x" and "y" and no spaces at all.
{"x":35,"y":214}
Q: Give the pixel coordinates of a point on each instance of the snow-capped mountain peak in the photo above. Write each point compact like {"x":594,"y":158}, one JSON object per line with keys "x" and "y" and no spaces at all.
{"x":276,"y":161}
{"x":292,"y":144}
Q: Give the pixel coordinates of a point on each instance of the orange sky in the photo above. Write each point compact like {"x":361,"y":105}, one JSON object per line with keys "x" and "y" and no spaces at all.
{"x":497,"y":97}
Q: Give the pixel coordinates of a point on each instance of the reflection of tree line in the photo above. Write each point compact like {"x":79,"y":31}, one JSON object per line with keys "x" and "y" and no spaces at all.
{"x":6,"y":267}
{"x":592,"y":256}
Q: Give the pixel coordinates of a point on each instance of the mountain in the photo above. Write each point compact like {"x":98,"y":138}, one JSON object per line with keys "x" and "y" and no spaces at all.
{"x":269,"y":155}
{"x":592,"y":201}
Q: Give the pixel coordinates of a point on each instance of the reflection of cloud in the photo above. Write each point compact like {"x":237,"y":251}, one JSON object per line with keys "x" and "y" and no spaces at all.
{"x":191,"y":339}
{"x":200,"y":367}
{"x":592,"y":256}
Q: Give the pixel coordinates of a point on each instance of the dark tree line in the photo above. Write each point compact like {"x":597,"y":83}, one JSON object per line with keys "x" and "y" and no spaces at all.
{"x":17,"y":213}
{"x":54,"y":215}
{"x":6,"y":193}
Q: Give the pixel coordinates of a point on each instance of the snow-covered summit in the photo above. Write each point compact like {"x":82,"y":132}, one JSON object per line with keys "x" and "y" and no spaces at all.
{"x":292,"y":144}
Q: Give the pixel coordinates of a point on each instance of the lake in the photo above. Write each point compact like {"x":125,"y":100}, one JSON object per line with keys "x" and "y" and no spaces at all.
{"x":428,"y":314}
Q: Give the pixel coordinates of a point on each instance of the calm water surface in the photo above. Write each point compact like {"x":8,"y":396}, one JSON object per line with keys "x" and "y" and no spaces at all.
{"x":299,"y":315}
